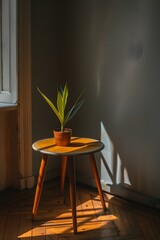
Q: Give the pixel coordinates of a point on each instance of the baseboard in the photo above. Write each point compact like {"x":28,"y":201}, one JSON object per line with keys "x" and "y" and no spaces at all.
{"x":27,"y":182}
{"x":131,"y":194}
{"x":122,"y":191}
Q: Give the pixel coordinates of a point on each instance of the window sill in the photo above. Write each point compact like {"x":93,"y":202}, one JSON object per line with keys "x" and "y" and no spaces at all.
{"x":8,"y":107}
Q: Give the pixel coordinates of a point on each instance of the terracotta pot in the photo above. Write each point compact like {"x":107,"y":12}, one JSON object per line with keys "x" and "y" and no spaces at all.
{"x":62,"y":138}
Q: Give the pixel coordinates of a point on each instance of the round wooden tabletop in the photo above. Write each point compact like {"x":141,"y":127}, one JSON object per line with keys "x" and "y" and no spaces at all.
{"x":78,"y":146}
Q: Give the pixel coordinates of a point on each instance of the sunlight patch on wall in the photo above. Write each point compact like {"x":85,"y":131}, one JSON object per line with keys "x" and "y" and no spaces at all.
{"x":107,"y":166}
{"x":113,"y":169}
{"x":122,"y":174}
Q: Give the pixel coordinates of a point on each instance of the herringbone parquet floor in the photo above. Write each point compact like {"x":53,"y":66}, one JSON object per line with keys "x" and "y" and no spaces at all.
{"x":122,"y":220}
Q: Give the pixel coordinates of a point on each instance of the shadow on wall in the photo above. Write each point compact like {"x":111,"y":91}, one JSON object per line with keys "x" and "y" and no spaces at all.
{"x":126,"y":90}
{"x":115,"y":175}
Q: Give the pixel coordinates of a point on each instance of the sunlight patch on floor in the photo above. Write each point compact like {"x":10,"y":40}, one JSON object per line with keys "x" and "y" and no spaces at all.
{"x":85,"y":225}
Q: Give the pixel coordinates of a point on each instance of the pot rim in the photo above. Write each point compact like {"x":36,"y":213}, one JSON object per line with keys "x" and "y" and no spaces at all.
{"x":65,"y":130}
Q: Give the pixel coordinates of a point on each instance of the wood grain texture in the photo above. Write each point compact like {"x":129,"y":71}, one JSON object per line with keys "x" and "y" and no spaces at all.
{"x":124,"y":220}
{"x":8,"y":149}
{"x":78,"y":146}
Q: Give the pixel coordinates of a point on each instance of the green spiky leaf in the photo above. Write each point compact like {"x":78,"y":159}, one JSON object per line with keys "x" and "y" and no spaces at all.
{"x":50,"y":104}
{"x":62,"y":97}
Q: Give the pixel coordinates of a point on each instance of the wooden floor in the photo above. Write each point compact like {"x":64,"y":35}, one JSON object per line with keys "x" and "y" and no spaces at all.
{"x":122,"y":220}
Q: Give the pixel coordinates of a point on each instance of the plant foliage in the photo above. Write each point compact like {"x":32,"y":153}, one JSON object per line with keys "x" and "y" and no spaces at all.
{"x":59,"y":110}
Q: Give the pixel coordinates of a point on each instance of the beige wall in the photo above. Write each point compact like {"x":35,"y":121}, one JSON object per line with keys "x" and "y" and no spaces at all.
{"x":46,"y":55}
{"x":110,"y":48}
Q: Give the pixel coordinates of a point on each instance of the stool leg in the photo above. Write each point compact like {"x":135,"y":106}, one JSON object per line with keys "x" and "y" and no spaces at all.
{"x":39,"y":187}
{"x":72,"y":189}
{"x":63,"y":172}
{"x":96,"y":176}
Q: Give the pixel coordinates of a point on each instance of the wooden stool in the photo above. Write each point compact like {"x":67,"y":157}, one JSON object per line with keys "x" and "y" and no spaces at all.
{"x":78,"y":146}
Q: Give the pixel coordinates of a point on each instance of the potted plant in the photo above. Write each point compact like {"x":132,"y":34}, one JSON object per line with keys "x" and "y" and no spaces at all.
{"x":63,"y":135}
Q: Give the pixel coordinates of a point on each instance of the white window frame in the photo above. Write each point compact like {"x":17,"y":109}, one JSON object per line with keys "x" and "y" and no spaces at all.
{"x":8,"y":52}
